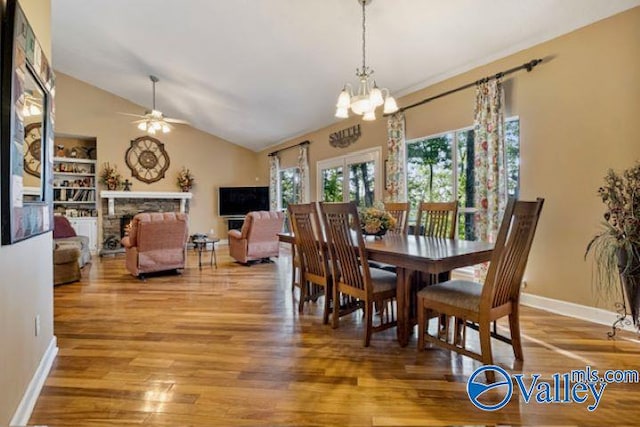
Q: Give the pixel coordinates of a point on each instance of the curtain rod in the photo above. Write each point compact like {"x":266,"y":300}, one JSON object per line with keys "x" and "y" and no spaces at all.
{"x":527,"y":66}
{"x":273,"y":153}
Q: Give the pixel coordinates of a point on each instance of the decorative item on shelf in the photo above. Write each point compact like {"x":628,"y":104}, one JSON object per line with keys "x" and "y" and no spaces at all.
{"x":345,"y":137}
{"x":147,"y":159}
{"x":375,"y":221}
{"x":127,"y":185}
{"x":616,"y":250}
{"x":185,"y":179}
{"x":110,"y":177}
{"x":369,"y":96}
{"x":59,"y":150}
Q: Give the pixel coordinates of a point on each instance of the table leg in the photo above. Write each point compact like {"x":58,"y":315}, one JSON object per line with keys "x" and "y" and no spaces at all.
{"x":200,"y":257}
{"x":403,"y":299}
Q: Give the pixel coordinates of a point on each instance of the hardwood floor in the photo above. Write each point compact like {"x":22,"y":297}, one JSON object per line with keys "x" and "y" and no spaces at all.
{"x":227,"y":347}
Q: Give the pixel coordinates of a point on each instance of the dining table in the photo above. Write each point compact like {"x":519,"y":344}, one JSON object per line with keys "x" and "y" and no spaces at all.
{"x":409,"y":253}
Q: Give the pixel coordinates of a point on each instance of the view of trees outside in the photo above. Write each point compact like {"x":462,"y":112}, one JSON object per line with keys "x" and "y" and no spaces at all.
{"x":512,"y":148}
{"x":430,"y":171}
{"x":362,"y":183}
{"x":332,"y":184}
{"x":289,"y":187}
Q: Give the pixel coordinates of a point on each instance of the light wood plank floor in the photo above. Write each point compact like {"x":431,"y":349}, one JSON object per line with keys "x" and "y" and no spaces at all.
{"x":227,"y":347}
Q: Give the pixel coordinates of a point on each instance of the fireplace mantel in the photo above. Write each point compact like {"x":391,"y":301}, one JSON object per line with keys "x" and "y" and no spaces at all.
{"x":113,"y":195}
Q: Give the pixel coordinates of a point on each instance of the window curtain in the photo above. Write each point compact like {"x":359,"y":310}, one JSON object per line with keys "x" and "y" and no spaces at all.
{"x":303,"y":195}
{"x":490,"y":167}
{"x":274,"y":170}
{"x":395,"y":166}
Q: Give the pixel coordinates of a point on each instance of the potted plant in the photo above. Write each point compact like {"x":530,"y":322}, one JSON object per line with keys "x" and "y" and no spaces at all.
{"x":616,"y":250}
{"x":110,"y":176}
{"x":375,"y":221}
{"x":185,"y":179}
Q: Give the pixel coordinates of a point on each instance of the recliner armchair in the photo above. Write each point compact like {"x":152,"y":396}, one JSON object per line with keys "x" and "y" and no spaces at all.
{"x":156,"y":242}
{"x":258,"y":238}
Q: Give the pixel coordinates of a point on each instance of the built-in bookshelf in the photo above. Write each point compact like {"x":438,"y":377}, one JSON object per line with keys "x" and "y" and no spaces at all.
{"x":74,"y":187}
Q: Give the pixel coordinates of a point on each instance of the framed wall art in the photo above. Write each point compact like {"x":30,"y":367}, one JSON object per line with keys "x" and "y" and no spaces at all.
{"x":26,"y":145}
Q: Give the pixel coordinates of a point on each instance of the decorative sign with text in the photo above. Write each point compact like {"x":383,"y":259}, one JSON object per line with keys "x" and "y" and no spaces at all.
{"x":345,"y":137}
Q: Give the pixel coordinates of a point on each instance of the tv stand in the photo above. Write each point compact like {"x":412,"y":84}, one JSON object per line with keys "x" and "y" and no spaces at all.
{"x":235,"y":222}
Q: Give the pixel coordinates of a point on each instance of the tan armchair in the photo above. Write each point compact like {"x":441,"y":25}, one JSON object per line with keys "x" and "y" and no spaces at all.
{"x":258,"y":238}
{"x":156,"y":242}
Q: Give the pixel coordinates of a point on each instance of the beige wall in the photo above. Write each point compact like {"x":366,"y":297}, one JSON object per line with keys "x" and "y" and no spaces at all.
{"x":85,"y":110}
{"x":578,"y":112}
{"x":26,"y":287}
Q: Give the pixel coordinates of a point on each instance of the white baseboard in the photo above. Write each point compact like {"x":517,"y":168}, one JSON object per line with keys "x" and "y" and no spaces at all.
{"x":577,"y":311}
{"x":23,"y":412}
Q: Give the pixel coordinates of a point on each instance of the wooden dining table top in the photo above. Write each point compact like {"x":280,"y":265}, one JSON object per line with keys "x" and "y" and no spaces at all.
{"x":420,"y":253}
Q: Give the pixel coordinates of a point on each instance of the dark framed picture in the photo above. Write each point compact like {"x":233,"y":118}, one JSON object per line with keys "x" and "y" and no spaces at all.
{"x":26,"y":143}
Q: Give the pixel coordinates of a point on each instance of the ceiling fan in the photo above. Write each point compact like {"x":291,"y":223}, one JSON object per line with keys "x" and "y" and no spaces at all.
{"x":153,"y":120}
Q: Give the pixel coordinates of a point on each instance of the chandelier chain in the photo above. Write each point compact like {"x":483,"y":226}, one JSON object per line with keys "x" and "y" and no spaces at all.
{"x":364,"y":39}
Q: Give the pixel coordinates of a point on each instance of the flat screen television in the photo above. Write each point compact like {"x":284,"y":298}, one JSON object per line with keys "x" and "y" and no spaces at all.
{"x":238,"y":201}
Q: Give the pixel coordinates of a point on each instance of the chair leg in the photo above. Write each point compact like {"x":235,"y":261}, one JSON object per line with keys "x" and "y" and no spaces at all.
{"x":336,"y":307}
{"x":327,"y":300}
{"x":369,"y":325}
{"x":422,"y":326}
{"x":485,"y":348}
{"x":303,"y":295}
{"x":514,"y":327}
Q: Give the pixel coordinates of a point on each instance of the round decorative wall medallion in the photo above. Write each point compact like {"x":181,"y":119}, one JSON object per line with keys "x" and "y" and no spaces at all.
{"x":33,"y":147}
{"x":147,"y":159}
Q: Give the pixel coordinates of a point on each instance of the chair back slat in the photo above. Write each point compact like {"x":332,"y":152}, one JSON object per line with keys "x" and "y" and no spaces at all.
{"x":437,"y":219}
{"x":346,"y":244}
{"x":308,"y":239}
{"x":400,"y":212}
{"x":509,"y":258}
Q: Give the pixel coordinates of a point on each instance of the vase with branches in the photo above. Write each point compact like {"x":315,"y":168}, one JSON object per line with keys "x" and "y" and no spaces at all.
{"x":110,"y":176}
{"x":616,"y":249}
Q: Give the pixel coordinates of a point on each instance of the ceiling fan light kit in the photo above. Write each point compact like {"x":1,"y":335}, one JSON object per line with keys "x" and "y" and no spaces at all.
{"x":154,"y":121}
{"x":369,"y":95}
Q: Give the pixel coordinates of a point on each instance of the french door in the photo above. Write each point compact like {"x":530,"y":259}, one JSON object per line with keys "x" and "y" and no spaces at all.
{"x":355,"y":177}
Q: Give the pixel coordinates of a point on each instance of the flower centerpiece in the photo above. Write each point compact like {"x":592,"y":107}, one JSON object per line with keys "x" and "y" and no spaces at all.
{"x":185,"y":179}
{"x":375,"y":221}
{"x":616,"y":250}
{"x":110,"y":176}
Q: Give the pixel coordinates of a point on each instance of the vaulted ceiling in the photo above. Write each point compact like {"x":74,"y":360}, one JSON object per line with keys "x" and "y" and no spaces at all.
{"x":258,"y":72}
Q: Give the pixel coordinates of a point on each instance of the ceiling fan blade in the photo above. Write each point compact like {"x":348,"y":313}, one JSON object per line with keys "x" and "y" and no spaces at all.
{"x":130,"y":114}
{"x":177,"y":121}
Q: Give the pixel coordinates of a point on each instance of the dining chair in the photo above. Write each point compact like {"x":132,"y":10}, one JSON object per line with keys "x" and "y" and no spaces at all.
{"x":352,"y":275}
{"x":437,"y":219}
{"x":400,"y":212}
{"x":314,"y":279}
{"x":476,"y":306}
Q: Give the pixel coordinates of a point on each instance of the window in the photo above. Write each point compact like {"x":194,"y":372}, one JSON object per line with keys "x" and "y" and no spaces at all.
{"x":354,"y":177}
{"x":442,"y":165}
{"x":289,"y":183}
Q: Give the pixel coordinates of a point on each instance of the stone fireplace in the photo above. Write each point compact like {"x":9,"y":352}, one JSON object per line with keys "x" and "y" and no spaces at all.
{"x":119,"y":208}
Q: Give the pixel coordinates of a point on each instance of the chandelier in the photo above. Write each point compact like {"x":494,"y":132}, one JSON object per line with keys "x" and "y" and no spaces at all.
{"x":369,"y":96}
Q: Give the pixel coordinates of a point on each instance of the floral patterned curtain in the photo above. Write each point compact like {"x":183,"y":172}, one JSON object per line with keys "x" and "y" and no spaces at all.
{"x":396,"y":182}
{"x":303,"y":167}
{"x":274,"y":170}
{"x":490,"y":168}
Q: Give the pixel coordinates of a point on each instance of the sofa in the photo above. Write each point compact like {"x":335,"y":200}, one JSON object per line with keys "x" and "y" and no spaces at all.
{"x":258,"y":238}
{"x":66,"y":268}
{"x":156,"y":242}
{"x":65,"y":237}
